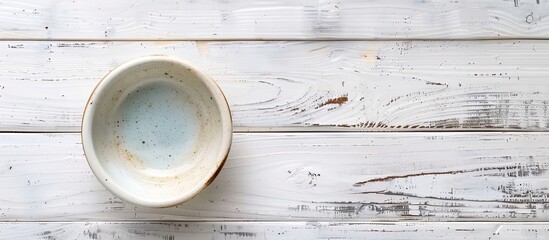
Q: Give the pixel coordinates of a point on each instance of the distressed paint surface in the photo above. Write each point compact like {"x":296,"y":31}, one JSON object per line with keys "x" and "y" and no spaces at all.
{"x":279,"y":19}
{"x":273,"y":230}
{"x":302,"y":176}
{"x":286,"y":86}
{"x":273,"y":86}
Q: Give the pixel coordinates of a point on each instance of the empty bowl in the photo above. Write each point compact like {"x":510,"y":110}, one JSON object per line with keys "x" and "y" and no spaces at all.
{"x":156,"y":131}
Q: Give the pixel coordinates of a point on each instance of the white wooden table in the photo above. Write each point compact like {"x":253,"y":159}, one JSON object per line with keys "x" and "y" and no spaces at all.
{"x":353,"y":119}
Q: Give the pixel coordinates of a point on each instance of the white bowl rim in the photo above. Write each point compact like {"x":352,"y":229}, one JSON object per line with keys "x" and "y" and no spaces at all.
{"x":97,"y":168}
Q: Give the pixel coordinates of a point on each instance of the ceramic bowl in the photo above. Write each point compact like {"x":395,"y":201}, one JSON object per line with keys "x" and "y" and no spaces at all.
{"x":156,"y":131}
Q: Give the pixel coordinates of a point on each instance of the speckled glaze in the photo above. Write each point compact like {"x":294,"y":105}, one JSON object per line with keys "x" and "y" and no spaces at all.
{"x":156,"y":131}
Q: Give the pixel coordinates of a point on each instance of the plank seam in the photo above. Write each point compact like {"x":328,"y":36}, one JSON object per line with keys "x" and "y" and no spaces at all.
{"x":510,"y":222}
{"x":501,"y":130}
{"x":267,"y":39}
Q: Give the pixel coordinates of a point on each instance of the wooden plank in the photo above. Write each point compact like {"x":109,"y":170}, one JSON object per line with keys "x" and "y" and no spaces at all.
{"x":274,"y":230}
{"x":341,"y":85}
{"x":279,"y":19}
{"x":302,"y":176}
{"x":336,"y":85}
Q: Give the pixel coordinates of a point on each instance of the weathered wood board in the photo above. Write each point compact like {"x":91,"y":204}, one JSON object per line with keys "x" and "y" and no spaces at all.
{"x":302,"y":176}
{"x":279,"y":19}
{"x":274,"y":230}
{"x":323,"y":85}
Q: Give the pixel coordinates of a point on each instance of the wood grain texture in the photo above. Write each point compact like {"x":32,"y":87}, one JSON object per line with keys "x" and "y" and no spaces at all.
{"x":279,"y":19}
{"x":303,"y":176}
{"x":274,"y":230}
{"x":341,"y":85}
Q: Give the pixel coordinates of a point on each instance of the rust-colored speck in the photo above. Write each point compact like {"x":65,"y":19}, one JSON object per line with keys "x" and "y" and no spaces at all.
{"x":339,"y":100}
{"x":128,"y":156}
